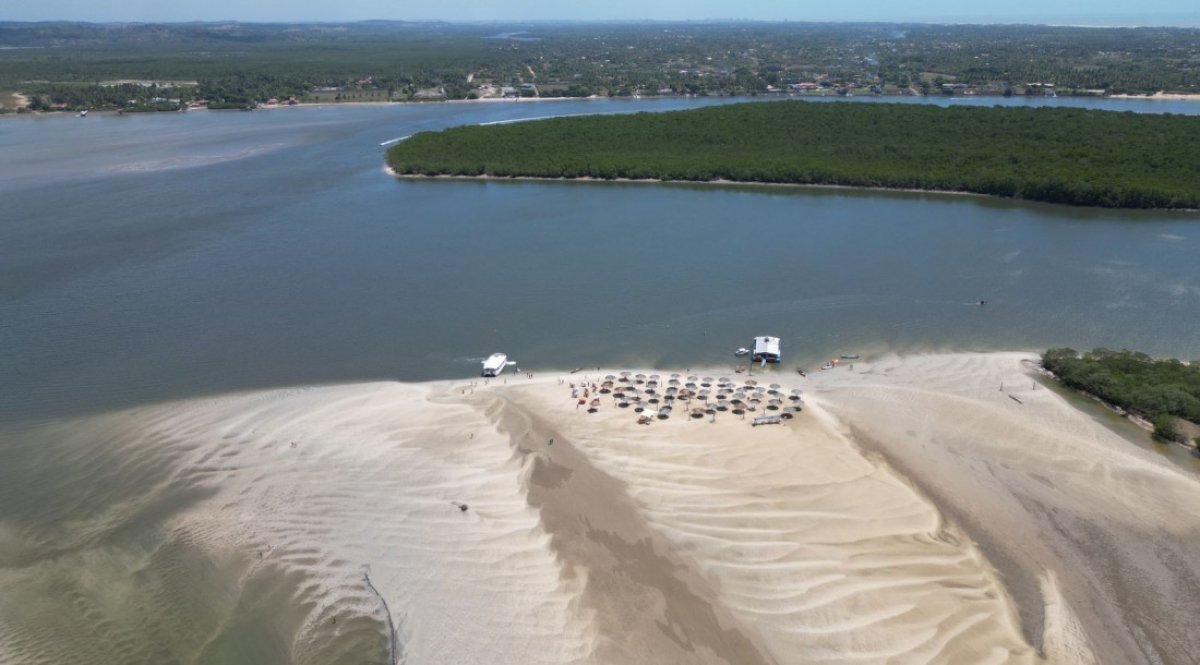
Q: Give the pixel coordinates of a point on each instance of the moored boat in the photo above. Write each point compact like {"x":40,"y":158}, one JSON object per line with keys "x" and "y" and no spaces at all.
{"x":766,"y":349}
{"x":495,"y":364}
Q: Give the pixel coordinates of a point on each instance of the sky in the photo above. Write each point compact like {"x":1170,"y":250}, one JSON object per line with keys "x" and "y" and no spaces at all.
{"x":1077,"y":12}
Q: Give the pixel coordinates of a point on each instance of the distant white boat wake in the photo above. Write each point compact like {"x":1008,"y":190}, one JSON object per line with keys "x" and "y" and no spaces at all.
{"x":396,"y":140}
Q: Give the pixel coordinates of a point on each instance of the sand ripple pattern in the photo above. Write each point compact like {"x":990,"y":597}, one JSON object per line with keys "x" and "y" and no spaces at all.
{"x":305,"y":491}
{"x":829,"y":556}
{"x":1097,"y":534}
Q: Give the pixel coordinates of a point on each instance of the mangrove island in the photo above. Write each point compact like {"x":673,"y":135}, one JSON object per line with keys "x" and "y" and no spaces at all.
{"x":1163,"y":393}
{"x":1055,"y":155}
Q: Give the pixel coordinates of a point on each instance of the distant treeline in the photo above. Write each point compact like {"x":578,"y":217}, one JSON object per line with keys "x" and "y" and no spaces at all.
{"x":1057,"y":155}
{"x":1159,"y":390}
{"x":720,"y":58}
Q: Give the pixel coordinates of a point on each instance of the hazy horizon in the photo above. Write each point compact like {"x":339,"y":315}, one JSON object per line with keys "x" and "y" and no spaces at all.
{"x":1165,"y":13}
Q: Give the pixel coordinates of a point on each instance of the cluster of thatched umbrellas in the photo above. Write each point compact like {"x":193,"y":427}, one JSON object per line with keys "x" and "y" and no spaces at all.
{"x":713,"y":395}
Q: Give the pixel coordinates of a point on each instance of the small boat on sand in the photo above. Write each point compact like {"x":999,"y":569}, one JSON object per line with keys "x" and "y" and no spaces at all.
{"x":742,"y":352}
{"x":850,"y":356}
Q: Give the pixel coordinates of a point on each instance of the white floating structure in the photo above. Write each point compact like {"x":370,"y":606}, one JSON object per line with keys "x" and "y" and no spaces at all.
{"x":495,"y":364}
{"x":766,"y":349}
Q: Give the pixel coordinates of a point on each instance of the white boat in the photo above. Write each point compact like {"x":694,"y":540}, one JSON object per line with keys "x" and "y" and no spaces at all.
{"x":742,"y":352}
{"x":495,"y":364}
{"x":766,"y":350}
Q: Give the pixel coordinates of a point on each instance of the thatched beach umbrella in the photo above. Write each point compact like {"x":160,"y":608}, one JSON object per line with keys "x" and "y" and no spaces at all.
{"x":640,"y":377}
{"x":774,"y":404}
{"x":693,"y":378}
{"x":654,"y":377}
{"x":751,"y":382}
{"x":697,"y":412}
{"x":722,"y":405}
{"x":610,"y":377}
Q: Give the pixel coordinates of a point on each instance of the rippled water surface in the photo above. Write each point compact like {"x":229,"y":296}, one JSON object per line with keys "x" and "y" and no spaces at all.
{"x":154,"y":257}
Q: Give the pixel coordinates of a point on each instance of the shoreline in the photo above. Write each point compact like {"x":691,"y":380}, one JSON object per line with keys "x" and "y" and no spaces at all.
{"x":1162,"y":95}
{"x":652,"y":181}
{"x":738,"y":183}
{"x":1158,"y":96}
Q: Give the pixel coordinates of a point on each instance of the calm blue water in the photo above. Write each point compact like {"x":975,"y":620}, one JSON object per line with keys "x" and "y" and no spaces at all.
{"x":160,"y":256}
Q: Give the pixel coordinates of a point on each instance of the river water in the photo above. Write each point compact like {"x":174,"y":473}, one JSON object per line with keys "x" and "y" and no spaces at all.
{"x":155,"y":257}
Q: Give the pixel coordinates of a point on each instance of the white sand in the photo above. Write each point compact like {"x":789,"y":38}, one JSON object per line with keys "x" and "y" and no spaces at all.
{"x":371,"y":483}
{"x":1081,"y":522}
{"x":1163,"y":96}
{"x":822,"y":553}
{"x":698,"y":542}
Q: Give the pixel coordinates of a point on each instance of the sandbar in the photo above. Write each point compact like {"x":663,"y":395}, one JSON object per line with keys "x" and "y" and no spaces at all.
{"x":912,"y":512}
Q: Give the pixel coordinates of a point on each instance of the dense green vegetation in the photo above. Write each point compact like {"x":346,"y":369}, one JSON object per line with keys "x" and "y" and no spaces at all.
{"x":1058,"y":155}
{"x":238,"y":63}
{"x":1159,"y":390}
